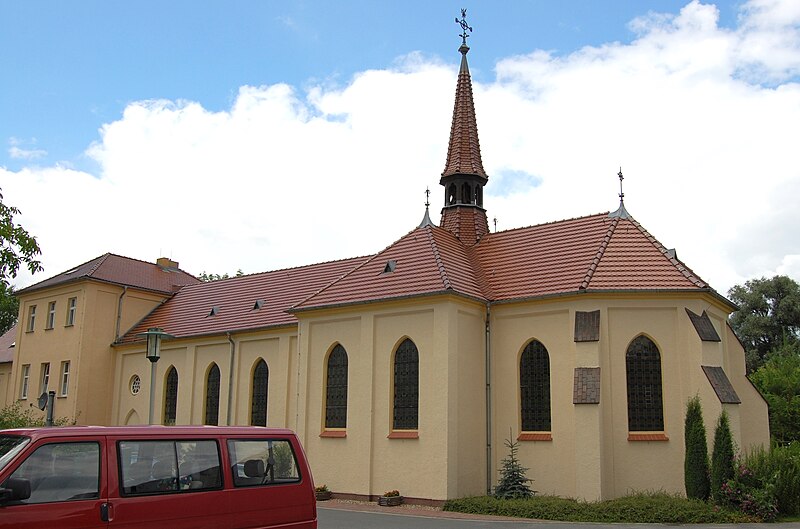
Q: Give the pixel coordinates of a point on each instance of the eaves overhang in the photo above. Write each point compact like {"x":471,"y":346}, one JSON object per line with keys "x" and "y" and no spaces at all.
{"x":35,"y":288}
{"x":242,"y":330}
{"x":405,"y":297}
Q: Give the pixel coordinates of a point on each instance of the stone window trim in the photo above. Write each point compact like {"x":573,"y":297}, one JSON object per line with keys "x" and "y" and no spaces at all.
{"x":334,"y":433}
{"x":535,"y":436}
{"x":648,"y":436}
{"x":403,"y":434}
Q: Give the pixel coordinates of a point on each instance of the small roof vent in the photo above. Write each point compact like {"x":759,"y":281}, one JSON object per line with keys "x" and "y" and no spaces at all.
{"x":214,"y":311}
{"x":259,"y":303}
{"x":391,"y":264}
{"x":672,"y":254}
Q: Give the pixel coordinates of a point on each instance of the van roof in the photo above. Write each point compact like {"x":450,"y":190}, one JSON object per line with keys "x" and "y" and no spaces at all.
{"x":146,"y":431}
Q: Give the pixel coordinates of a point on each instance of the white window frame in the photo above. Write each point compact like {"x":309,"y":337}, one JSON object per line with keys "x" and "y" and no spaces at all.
{"x":31,"y":318}
{"x":51,"y":315}
{"x":63,"y":390}
{"x":25,"y":381}
{"x":45,"y":377}
{"x":72,"y":306}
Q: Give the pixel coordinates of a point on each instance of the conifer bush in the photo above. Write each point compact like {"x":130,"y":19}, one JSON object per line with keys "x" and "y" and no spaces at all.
{"x":513,"y":482}
{"x":695,"y":465}
{"x":722,"y":458}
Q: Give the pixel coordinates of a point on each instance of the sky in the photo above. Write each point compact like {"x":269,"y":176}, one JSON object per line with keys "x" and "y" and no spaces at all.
{"x":257,"y":135}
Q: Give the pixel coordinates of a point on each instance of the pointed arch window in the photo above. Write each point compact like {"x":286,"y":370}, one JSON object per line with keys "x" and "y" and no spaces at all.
{"x":212,"y":396}
{"x":171,"y":397}
{"x":406,"y":387}
{"x":534,"y":380}
{"x":258,"y":407}
{"x":643,"y":370}
{"x":336,"y":389}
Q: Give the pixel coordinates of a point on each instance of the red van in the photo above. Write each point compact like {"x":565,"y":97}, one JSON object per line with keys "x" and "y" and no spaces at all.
{"x":155,"y":476}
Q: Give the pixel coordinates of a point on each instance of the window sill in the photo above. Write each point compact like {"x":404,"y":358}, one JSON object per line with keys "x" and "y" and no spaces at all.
{"x":48,"y":328}
{"x":655,"y":436}
{"x":541,"y":436}
{"x":334,"y":433}
{"x":403,"y":434}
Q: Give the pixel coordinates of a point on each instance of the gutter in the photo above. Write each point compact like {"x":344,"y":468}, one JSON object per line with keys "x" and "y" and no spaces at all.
{"x":488,"y":402}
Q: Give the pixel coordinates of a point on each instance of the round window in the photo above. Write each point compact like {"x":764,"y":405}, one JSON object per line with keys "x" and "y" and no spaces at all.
{"x":136,"y":384}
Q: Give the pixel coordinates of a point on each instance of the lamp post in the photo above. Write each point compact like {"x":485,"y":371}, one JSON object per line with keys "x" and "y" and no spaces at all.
{"x":154,"y":336}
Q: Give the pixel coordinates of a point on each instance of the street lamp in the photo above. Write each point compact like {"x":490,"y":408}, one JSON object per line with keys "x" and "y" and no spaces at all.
{"x":154,"y":336}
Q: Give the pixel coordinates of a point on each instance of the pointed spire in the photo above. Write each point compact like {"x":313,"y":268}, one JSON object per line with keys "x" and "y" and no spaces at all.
{"x":621,"y":211}
{"x":464,"y":150}
{"x":426,"y":219}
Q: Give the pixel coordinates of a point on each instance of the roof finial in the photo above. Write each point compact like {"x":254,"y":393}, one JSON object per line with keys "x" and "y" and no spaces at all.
{"x":464,"y":28}
{"x":426,"y":219}
{"x":621,"y":211}
{"x":495,"y":224}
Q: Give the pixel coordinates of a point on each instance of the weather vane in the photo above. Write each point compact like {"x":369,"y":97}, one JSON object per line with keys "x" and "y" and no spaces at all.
{"x":427,"y":197}
{"x":464,"y":26}
{"x":621,"y":178}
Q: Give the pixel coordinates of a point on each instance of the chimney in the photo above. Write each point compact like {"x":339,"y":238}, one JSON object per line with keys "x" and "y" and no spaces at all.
{"x":167,"y":263}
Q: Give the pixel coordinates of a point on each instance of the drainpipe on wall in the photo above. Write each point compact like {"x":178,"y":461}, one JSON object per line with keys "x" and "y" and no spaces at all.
{"x":119,"y":312}
{"x":488,"y":402}
{"x":230,"y":379}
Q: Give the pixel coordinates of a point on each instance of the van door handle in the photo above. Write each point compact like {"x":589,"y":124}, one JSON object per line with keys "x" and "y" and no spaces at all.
{"x":104,"y":508}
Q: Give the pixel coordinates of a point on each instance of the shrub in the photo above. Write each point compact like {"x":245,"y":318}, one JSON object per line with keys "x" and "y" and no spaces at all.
{"x":750,"y":495}
{"x":15,"y":416}
{"x":695,"y":465}
{"x":722,"y":459}
{"x":513,"y":483}
{"x":779,"y":469}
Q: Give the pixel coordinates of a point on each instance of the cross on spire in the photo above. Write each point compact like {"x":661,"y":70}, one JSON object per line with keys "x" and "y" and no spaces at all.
{"x":464,"y":27}
{"x":621,"y":212}
{"x":621,"y":178}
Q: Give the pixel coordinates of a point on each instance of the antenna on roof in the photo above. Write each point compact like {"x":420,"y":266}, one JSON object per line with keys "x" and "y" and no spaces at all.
{"x":464,"y":27}
{"x":621,"y":212}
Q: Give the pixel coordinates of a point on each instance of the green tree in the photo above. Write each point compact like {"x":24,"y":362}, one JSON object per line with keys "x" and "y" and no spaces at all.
{"x":779,"y":382}
{"x":513,"y":483}
{"x":9,"y":308}
{"x":722,"y":458}
{"x":768,"y":317}
{"x":17,"y":246}
{"x":207,"y":278}
{"x":695,"y":464}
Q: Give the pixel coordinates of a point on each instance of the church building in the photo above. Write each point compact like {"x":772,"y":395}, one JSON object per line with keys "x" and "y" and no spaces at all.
{"x":582,"y":339}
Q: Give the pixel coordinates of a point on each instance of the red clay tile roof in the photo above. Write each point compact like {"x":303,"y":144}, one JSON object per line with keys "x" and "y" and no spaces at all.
{"x":428,"y":260}
{"x":7,"y":345}
{"x":111,"y":268}
{"x":464,"y":149}
{"x":468,"y":223}
{"x":187,"y":313}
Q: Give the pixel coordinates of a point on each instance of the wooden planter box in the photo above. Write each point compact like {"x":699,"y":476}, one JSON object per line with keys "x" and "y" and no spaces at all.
{"x":323,"y":495}
{"x":390,"y":501}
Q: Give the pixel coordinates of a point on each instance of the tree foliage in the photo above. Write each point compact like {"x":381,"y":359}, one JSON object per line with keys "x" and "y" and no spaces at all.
{"x":768,"y":317}
{"x":779,"y":382}
{"x":9,"y":308}
{"x":695,"y":464}
{"x":513,"y":482}
{"x":208,"y":277}
{"x":722,"y":458}
{"x":17,"y":246}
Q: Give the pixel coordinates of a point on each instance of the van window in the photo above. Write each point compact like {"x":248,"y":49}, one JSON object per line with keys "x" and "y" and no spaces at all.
{"x":61,"y":472}
{"x":262,"y":462}
{"x":149,"y":467}
{"x":11,"y":445}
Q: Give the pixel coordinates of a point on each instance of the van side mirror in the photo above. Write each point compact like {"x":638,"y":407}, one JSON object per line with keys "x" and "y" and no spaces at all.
{"x":15,"y":489}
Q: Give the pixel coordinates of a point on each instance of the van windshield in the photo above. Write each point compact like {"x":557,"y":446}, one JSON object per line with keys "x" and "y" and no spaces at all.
{"x":11,"y":445}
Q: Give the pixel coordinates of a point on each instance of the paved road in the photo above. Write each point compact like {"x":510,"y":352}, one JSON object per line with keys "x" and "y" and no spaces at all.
{"x":337,"y":518}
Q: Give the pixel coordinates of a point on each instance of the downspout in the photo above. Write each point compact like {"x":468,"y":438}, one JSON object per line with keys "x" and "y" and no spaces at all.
{"x":230,"y":378}
{"x":119,"y":312}
{"x":488,"y":402}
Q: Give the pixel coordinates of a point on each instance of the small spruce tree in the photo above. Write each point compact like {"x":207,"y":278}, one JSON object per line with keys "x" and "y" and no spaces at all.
{"x":695,"y":464}
{"x":722,"y":458}
{"x":513,"y":483}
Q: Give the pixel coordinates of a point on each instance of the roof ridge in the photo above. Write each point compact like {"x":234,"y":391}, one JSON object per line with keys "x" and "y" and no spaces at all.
{"x":571,"y":219}
{"x":440,"y":264}
{"x":599,"y":255}
{"x":687,"y":272}
{"x":97,"y":265}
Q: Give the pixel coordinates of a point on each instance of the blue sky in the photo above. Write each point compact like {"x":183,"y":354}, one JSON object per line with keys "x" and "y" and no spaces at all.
{"x":71,"y":66}
{"x":257,"y":135}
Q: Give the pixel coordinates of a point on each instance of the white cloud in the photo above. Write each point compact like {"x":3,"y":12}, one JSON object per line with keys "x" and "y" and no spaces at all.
{"x":18,"y":152}
{"x":701,"y":119}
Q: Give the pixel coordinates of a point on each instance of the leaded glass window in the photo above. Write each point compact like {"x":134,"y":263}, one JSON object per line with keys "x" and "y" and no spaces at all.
{"x":534,"y":380}
{"x":336,"y":389}
{"x":643,"y":367}
{"x":212,"y":396}
{"x":258,"y":408}
{"x":406,"y":387}
{"x":171,"y":397}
